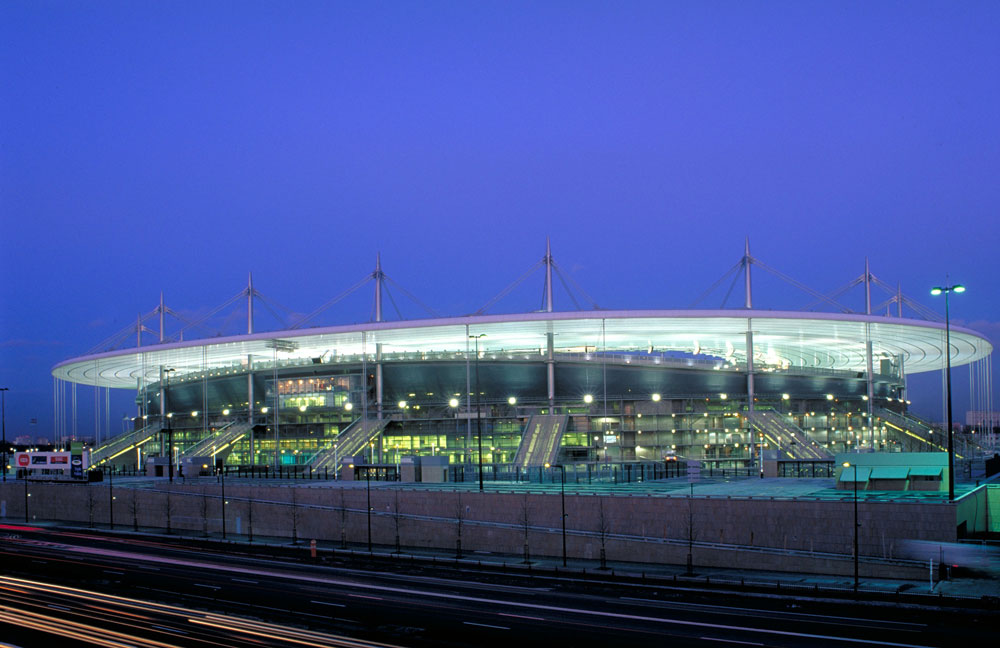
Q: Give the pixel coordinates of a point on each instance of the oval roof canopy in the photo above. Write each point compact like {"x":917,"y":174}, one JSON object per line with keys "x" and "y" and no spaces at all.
{"x":833,"y":341}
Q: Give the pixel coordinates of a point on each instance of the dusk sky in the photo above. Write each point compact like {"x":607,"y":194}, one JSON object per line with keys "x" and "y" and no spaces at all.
{"x":177,"y":146}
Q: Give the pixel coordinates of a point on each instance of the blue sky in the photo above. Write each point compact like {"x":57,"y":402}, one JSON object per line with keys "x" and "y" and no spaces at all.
{"x":149,"y":146}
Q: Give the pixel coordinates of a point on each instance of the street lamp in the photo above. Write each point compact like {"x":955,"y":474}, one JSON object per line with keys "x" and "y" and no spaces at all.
{"x":170,"y":447}
{"x":562,"y":499}
{"x":937,"y":290}
{"x":170,"y":430}
{"x":479,"y":419}
{"x":847,"y":464}
{"x":368,"y":480}
{"x":3,"y":424}
{"x":222,"y":475}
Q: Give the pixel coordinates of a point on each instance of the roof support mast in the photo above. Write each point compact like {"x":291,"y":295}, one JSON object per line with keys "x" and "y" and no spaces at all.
{"x":162,"y":312}
{"x":253,"y":449}
{"x":748,"y":304}
{"x":870,"y":364}
{"x":379,"y":278}
{"x":550,"y":359}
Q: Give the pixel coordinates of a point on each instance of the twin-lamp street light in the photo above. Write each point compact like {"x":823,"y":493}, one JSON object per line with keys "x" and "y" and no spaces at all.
{"x":848,"y":464}
{"x":947,"y":290}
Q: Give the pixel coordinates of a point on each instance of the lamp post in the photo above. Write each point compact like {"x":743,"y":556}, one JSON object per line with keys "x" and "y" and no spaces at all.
{"x":368,"y":479}
{"x":222,"y":475}
{"x":479,"y":418}
{"x":170,"y":446}
{"x":170,"y":430}
{"x":937,"y":290}
{"x":847,"y":464}
{"x":3,"y":424}
{"x":562,"y":499}
{"x":111,"y":497}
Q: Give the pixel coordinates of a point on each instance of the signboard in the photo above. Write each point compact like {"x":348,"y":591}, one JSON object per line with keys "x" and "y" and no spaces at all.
{"x":76,"y":460}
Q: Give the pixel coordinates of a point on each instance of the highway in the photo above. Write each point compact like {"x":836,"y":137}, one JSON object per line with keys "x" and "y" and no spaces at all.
{"x":121,"y":591}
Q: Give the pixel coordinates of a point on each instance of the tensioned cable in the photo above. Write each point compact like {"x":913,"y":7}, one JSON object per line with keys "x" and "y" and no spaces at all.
{"x":411,"y":297}
{"x":732,"y":285}
{"x":274,"y":313}
{"x":392,"y":300}
{"x":801,"y":286}
{"x":572,"y":281}
{"x":124,"y":332}
{"x":923,"y":311}
{"x":565,"y":287}
{"x":716,"y":284}
{"x":503,"y":293}
{"x":333,"y":301}
{"x":837,"y":293}
{"x":212,"y":313}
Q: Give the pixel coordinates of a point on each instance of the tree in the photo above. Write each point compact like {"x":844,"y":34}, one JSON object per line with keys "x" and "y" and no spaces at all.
{"x":90,"y":506}
{"x":204,"y":511}
{"x":295,"y":517}
{"x":458,"y":525}
{"x":170,"y":508}
{"x":250,"y":516}
{"x":526,"y":526}
{"x":343,"y":519}
{"x":396,"y":515}
{"x":135,"y":509}
{"x":603,"y":527}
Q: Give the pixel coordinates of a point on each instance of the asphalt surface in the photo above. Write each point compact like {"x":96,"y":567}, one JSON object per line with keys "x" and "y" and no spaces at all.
{"x":90,"y":589}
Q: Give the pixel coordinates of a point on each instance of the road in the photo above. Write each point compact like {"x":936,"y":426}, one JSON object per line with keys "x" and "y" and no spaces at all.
{"x":96,"y":590}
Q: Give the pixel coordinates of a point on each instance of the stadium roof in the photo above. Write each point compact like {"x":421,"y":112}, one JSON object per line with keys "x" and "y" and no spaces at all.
{"x":824,"y":340}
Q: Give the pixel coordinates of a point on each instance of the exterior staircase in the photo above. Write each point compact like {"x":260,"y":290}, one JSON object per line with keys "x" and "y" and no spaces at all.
{"x":115,"y":450}
{"x":790,"y":440}
{"x":540,"y":440}
{"x":220,"y":443}
{"x":917,"y":435}
{"x":350,"y":442}
{"x":913,"y":434}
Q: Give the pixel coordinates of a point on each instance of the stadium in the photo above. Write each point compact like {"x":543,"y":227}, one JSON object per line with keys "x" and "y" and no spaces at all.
{"x":502,"y":394}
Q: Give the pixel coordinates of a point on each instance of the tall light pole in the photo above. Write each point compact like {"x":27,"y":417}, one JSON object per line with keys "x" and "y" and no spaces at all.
{"x":562,"y":498}
{"x":847,"y":464}
{"x":368,"y":480}
{"x":3,"y":424}
{"x":170,"y":446}
{"x":479,"y":417}
{"x":222,"y":475}
{"x":937,"y":290}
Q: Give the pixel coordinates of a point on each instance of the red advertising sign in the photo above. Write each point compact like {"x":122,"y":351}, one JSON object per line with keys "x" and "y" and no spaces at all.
{"x":23,"y":459}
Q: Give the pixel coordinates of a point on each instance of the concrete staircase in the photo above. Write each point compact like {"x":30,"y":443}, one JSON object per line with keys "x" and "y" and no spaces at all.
{"x":540,"y":440}
{"x":350,"y":442}
{"x":219,"y":444}
{"x":789,"y":439}
{"x":116,"y":451}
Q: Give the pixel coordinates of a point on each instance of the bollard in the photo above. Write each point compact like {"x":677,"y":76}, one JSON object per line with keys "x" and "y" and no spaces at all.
{"x":312,"y":549}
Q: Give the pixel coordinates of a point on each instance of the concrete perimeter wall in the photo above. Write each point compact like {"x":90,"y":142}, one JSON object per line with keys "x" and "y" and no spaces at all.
{"x":748,"y":533}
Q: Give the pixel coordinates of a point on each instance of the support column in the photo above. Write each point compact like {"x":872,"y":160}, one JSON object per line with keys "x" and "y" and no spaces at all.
{"x":468,"y":403}
{"x":869,"y":363}
{"x":550,"y":358}
{"x":379,"y":277}
{"x":162,"y":312}
{"x":750,"y":397}
{"x":250,"y":407}
{"x":746,"y":272}
{"x":250,"y":304}
{"x":550,"y":369}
